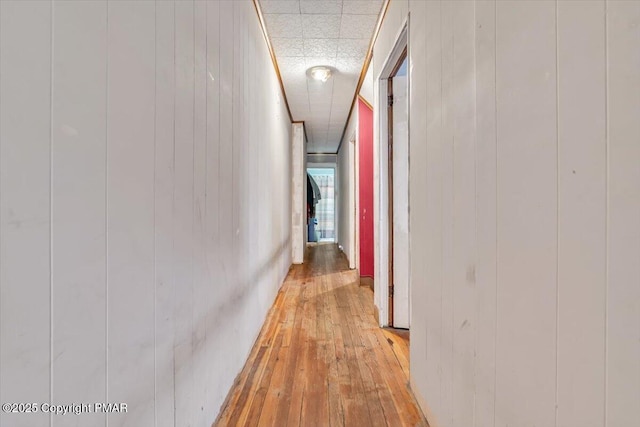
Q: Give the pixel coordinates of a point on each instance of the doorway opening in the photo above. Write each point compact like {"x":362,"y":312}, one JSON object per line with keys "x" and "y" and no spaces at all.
{"x":321,"y":205}
{"x":393,"y":190}
{"x":398,"y":131}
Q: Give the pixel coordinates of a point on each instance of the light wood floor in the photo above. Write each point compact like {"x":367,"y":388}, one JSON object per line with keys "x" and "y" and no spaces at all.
{"x":321,"y":360}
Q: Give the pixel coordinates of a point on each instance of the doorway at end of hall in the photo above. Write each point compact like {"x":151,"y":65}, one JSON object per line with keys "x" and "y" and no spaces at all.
{"x":321,"y":205}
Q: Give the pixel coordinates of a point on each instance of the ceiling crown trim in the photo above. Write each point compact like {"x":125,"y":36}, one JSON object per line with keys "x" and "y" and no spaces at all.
{"x":273,"y":58}
{"x":365,"y":66}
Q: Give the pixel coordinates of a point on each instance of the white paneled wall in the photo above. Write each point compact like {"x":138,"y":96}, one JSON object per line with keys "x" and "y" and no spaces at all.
{"x":299,"y":193}
{"x":25,"y":214}
{"x":345,"y":191}
{"x":78,"y":208}
{"x":524,"y":209}
{"x":582,"y":267}
{"x":144,"y":205}
{"x":622,"y":294}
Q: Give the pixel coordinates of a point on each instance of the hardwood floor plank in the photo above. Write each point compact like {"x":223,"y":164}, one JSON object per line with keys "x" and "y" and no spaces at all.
{"x":321,"y":359}
{"x":275,"y":391}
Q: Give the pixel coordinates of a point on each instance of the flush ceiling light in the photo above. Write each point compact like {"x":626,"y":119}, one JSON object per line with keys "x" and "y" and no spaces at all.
{"x":320,"y":73}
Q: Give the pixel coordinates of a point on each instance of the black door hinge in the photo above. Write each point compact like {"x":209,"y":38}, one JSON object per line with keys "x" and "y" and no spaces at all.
{"x":391,"y":289}
{"x":390,"y":100}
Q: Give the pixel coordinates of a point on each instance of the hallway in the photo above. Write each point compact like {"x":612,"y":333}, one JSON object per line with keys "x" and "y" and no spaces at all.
{"x":321,"y":359}
{"x":154,"y":213}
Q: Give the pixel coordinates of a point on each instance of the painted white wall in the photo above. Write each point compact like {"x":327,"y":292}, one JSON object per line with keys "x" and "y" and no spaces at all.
{"x":298,"y":193}
{"x":525,"y":239}
{"x":346,"y":196}
{"x":366,"y":90}
{"x":144,"y":205}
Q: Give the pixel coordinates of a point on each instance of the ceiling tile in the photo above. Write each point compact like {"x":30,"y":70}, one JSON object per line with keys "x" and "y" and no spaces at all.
{"x":349,"y":66}
{"x":320,"y":60}
{"x":301,"y":97}
{"x":320,"y":108}
{"x":295,"y":78}
{"x":362,"y":7}
{"x":353,"y":48}
{"x":320,"y":100}
{"x":280,"y":6}
{"x":317,"y":130}
{"x":290,"y":65}
{"x":288,"y":47}
{"x":320,"y":48}
{"x":284,"y":25}
{"x":321,"y":114}
{"x":357,"y":26}
{"x":305,"y":33}
{"x":324,"y":120}
{"x":320,"y":136}
{"x":342,"y":81}
{"x":339,"y":118}
{"x":334,"y":139}
{"x":345,"y":92}
{"x":339,"y":107}
{"x":295,"y":89}
{"x":321,"y":7}
{"x":335,"y":133}
{"x":317,"y":90}
{"x":321,"y":129}
{"x":299,"y":109}
{"x":321,"y":26}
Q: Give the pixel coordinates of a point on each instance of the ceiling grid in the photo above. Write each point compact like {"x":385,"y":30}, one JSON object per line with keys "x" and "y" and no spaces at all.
{"x":308,"y":33}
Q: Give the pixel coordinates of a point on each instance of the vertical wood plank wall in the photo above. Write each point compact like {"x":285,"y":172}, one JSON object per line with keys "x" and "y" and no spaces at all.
{"x":78,"y":211}
{"x":344,"y":191}
{"x":524,"y":209}
{"x":622,"y":295}
{"x":299,"y":193}
{"x":25,"y":198}
{"x":582,"y":164}
{"x":144,"y":204}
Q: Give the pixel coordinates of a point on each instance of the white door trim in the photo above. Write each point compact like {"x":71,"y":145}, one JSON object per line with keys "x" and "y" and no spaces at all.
{"x":381,"y":178}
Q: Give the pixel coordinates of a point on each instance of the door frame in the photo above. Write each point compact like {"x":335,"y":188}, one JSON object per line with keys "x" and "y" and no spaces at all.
{"x":390,"y":172}
{"x":352,"y":200}
{"x":355,"y":191}
{"x":383,"y":192}
{"x":334,"y":166}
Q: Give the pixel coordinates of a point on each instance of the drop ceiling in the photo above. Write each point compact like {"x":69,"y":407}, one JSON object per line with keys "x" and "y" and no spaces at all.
{"x":307,"y":33}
